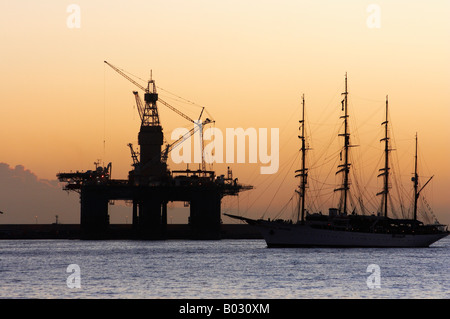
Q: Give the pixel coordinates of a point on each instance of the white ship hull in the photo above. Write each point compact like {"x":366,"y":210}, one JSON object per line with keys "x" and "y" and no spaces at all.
{"x":297,"y":235}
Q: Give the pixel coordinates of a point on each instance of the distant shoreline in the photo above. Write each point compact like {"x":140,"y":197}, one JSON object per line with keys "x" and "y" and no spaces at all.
{"x":115,"y":231}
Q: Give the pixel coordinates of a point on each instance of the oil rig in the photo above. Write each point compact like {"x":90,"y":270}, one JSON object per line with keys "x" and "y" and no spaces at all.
{"x":151,"y":185}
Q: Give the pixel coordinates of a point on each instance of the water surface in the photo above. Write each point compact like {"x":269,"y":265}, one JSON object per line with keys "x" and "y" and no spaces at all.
{"x":217,"y":269}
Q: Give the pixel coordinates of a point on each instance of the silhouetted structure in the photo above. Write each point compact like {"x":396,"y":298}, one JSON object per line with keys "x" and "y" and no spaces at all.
{"x":151,"y":185}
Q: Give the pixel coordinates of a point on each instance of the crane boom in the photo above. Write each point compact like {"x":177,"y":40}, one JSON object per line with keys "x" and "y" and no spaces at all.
{"x":133,"y":155}
{"x":127,"y":77}
{"x":169,"y":147}
{"x":139,"y":105}
{"x":176,"y":111}
{"x":149,"y":112}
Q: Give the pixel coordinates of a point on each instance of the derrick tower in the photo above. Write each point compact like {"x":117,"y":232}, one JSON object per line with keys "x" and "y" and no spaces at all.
{"x":150,"y":137}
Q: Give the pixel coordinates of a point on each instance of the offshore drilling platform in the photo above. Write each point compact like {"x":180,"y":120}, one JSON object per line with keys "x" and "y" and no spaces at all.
{"x":151,"y":185}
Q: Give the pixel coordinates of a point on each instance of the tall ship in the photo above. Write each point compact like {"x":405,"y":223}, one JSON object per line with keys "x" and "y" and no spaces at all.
{"x":342,"y":227}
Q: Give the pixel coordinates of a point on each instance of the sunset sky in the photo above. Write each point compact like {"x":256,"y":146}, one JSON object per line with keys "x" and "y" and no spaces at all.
{"x":247,"y":63}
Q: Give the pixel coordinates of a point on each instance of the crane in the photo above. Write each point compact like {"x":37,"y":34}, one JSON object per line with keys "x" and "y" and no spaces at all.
{"x":134,"y":155}
{"x":141,"y":107}
{"x":147,"y":90}
{"x":177,"y":111}
{"x":169,"y":147}
{"x":149,"y":112}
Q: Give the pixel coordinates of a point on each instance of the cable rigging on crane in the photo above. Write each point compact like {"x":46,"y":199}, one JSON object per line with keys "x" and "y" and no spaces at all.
{"x":148,"y":113}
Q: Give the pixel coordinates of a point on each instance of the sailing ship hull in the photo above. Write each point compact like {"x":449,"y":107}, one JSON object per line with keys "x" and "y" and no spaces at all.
{"x":298,"y":235}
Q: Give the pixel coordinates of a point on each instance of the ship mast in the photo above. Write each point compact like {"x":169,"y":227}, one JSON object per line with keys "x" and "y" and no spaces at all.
{"x":415,"y":179}
{"x":416,"y":183}
{"x":385,"y":170}
{"x":345,"y":168}
{"x":302,"y":173}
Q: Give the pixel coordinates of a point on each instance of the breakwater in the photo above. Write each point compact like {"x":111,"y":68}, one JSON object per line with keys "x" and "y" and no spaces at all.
{"x":116,"y":231}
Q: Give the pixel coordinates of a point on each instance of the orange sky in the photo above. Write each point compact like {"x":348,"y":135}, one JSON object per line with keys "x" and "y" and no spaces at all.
{"x":247,"y":62}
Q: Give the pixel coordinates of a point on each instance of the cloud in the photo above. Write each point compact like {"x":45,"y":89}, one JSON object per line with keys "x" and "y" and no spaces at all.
{"x":23,"y":196}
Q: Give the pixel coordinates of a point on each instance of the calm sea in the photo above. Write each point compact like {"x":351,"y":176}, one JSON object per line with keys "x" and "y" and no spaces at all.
{"x":217,"y":269}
